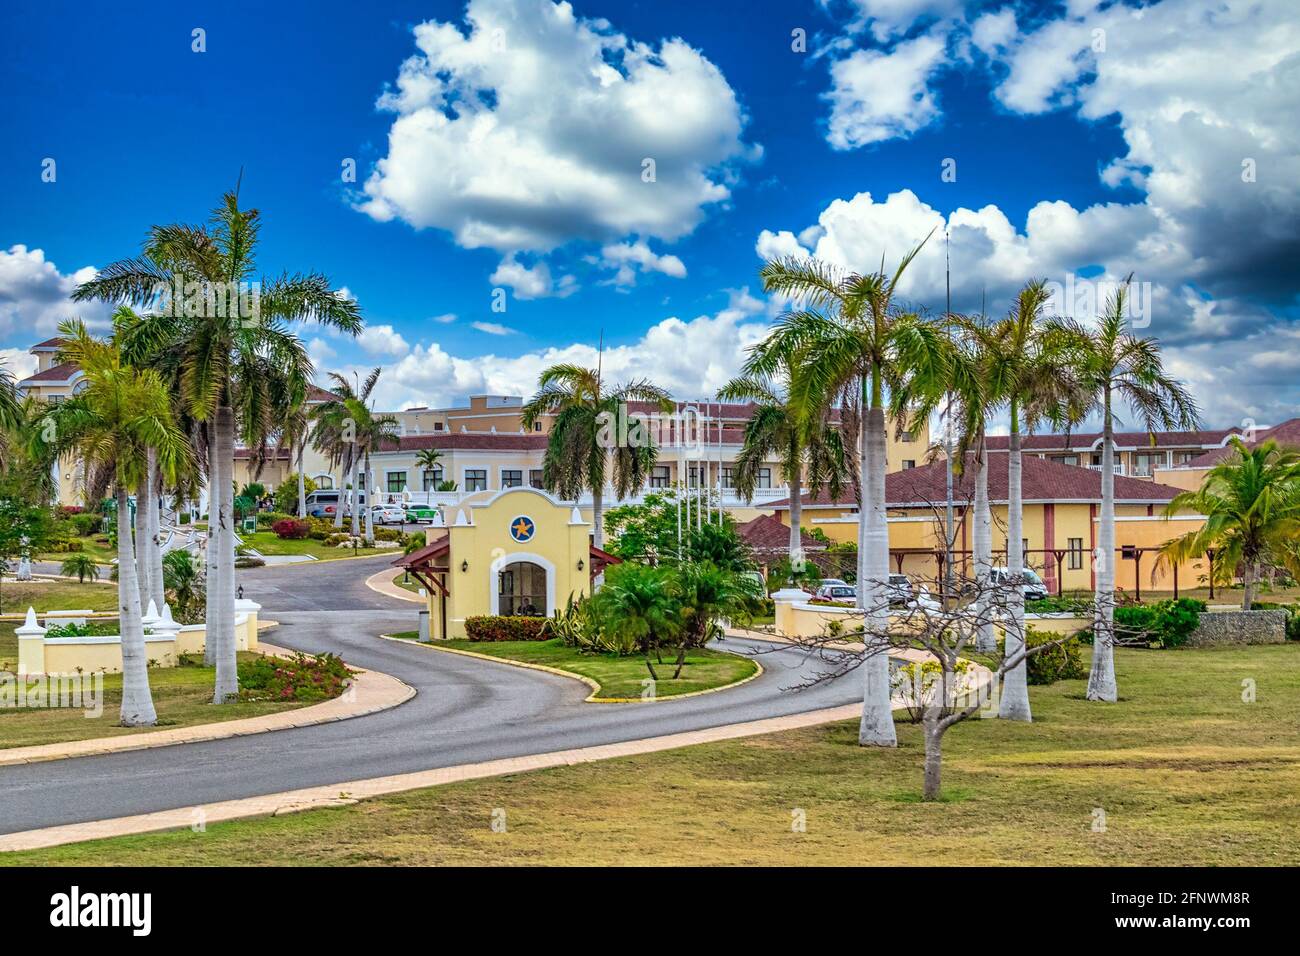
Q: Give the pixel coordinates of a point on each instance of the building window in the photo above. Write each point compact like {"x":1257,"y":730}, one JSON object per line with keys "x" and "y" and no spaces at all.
{"x":521,"y":590}
{"x":764,"y":478}
{"x":1183,"y":457}
{"x":325,"y":482}
{"x":361,"y":480}
{"x":728,"y":478}
{"x":1144,"y":462}
{"x":396,"y":482}
{"x":432,"y":479}
{"x":537,"y":426}
{"x":906,"y":437}
{"x":476,"y":479}
{"x":437,"y":426}
{"x":1076,"y":554}
{"x":909,"y":462}
{"x":1066,"y":459}
{"x":660,"y":476}
{"x":535,"y":478}
{"x":512,"y":478}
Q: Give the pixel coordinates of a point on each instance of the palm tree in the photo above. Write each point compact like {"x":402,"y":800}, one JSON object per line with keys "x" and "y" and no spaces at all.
{"x":851,"y":344}
{"x":637,"y":603}
{"x":230,"y":349}
{"x":580,"y":443}
{"x":1022,"y":369}
{"x":121,"y":413}
{"x":348,"y":424}
{"x":80,"y":566}
{"x":10,"y":412}
{"x":428,"y":460}
{"x":704,"y":593}
{"x":1112,"y":365}
{"x":776,"y":431}
{"x":1251,"y":504}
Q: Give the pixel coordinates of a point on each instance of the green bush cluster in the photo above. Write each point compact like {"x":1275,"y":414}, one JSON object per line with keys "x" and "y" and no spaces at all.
{"x":1292,"y":620}
{"x":502,"y":628}
{"x":1062,"y":662}
{"x":1162,"y":624}
{"x":266,"y":519}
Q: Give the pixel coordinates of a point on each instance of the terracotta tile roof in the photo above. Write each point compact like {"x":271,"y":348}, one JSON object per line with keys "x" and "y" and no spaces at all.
{"x":727,"y":411}
{"x":766,"y":534}
{"x":48,"y":345}
{"x":1083,"y":441}
{"x":57,"y":373}
{"x":1286,"y":434}
{"x":424,"y":556}
{"x":317,"y":394}
{"x":1041,"y":480}
{"x":501,"y":441}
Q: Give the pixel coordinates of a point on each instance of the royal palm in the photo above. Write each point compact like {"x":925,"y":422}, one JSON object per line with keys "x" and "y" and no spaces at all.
{"x":230,"y":359}
{"x":1113,"y":366}
{"x":852,"y":345}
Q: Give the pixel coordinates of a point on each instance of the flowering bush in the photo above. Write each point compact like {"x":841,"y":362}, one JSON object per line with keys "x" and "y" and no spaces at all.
{"x":300,"y":677}
{"x":291,"y":528}
{"x":499,"y":628}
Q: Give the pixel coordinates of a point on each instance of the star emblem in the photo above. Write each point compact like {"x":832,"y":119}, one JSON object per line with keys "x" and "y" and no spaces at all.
{"x":522,"y":529}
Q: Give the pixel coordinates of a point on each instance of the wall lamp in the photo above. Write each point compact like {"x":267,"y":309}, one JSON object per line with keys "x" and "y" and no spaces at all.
{"x":464,"y":566}
{"x":581,"y":565}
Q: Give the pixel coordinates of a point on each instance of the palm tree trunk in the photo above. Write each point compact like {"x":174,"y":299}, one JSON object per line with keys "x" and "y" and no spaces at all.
{"x":370,"y":503}
{"x":876,"y":729}
{"x":355,"y":497}
{"x":598,"y":516}
{"x":158,"y":585}
{"x":343,"y":491}
{"x":226,"y":684}
{"x":796,"y":522}
{"x":985,"y":642}
{"x":144,"y":567}
{"x":1248,"y":586}
{"x":137,"y":702}
{"x":1101,"y":678}
{"x":212,"y":580}
{"x":1014,"y":704}
{"x":302,"y":484}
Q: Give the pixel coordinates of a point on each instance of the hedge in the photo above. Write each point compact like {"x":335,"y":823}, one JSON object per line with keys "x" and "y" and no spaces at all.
{"x":291,"y":528}
{"x":1064,"y":662}
{"x":502,"y":628}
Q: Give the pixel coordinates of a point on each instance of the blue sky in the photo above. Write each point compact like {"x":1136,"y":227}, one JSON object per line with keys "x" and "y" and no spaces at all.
{"x":145,"y":130}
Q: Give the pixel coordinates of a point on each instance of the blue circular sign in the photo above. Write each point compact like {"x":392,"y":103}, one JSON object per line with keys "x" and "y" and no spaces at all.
{"x":522,"y":528}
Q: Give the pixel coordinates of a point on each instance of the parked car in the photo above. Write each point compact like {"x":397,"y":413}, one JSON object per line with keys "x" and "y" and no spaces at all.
{"x":899,"y":589}
{"x":388,"y":514}
{"x":837,"y":592}
{"x":1034,"y":587}
{"x":420,"y":514}
{"x":322,"y":504}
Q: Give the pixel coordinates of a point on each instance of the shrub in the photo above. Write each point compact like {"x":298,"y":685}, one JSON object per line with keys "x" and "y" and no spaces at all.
{"x":1293,"y":616}
{"x":291,"y":528}
{"x":336,"y":539}
{"x":300,"y":677}
{"x":286,"y":495}
{"x":507,"y":628}
{"x":1162,"y":624}
{"x":248,"y":561}
{"x":267,"y":519}
{"x":388,"y":534}
{"x":87,"y":524}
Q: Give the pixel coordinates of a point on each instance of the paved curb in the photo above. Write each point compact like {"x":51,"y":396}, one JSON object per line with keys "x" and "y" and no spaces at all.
{"x":370,"y":692}
{"x":344,"y":794}
{"x":387,"y":588}
{"x":595,"y":687}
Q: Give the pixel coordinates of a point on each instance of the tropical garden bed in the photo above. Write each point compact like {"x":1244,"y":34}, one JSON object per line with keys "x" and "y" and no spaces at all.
{"x":1186,"y":772}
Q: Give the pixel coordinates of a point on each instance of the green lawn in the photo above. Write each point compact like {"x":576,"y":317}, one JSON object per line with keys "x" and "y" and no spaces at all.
{"x":181,"y":695}
{"x":621,"y":677}
{"x":95,"y":545}
{"x":1186,"y":773}
{"x":17,"y":597}
{"x":267,"y":542}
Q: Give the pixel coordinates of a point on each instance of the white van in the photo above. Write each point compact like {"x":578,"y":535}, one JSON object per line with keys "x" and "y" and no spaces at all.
{"x":325,"y":503}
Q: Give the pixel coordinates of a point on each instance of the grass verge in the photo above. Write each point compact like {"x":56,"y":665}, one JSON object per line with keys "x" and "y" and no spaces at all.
{"x":267,"y":542}
{"x":621,"y":678}
{"x":181,"y":695}
{"x":1186,"y":772}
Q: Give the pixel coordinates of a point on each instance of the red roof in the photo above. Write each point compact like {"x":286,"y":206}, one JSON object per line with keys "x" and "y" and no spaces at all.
{"x":57,"y":373}
{"x":317,"y":394}
{"x":1083,"y":441}
{"x":1286,"y":434}
{"x":49,"y":345}
{"x":767,"y":534}
{"x":500,"y":441}
{"x":1041,"y":480}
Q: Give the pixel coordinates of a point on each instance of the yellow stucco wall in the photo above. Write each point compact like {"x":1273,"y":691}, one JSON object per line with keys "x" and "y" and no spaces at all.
{"x":482,"y":545}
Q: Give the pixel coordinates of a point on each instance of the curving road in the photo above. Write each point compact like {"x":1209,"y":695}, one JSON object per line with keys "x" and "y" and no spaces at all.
{"x":465,"y":711}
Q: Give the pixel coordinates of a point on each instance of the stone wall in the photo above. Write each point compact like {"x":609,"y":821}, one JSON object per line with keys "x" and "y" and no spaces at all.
{"x":1239,"y":627}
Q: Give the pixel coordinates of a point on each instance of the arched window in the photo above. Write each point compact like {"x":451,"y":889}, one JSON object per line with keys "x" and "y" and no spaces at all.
{"x":521,"y":589}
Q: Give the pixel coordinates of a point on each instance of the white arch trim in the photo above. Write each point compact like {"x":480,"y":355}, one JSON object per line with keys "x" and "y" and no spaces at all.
{"x":499,"y":565}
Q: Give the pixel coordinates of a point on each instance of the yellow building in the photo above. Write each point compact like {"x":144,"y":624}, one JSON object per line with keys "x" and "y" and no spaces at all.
{"x":1061,"y":513}
{"x":513,"y":552}
{"x":1190,"y":474}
